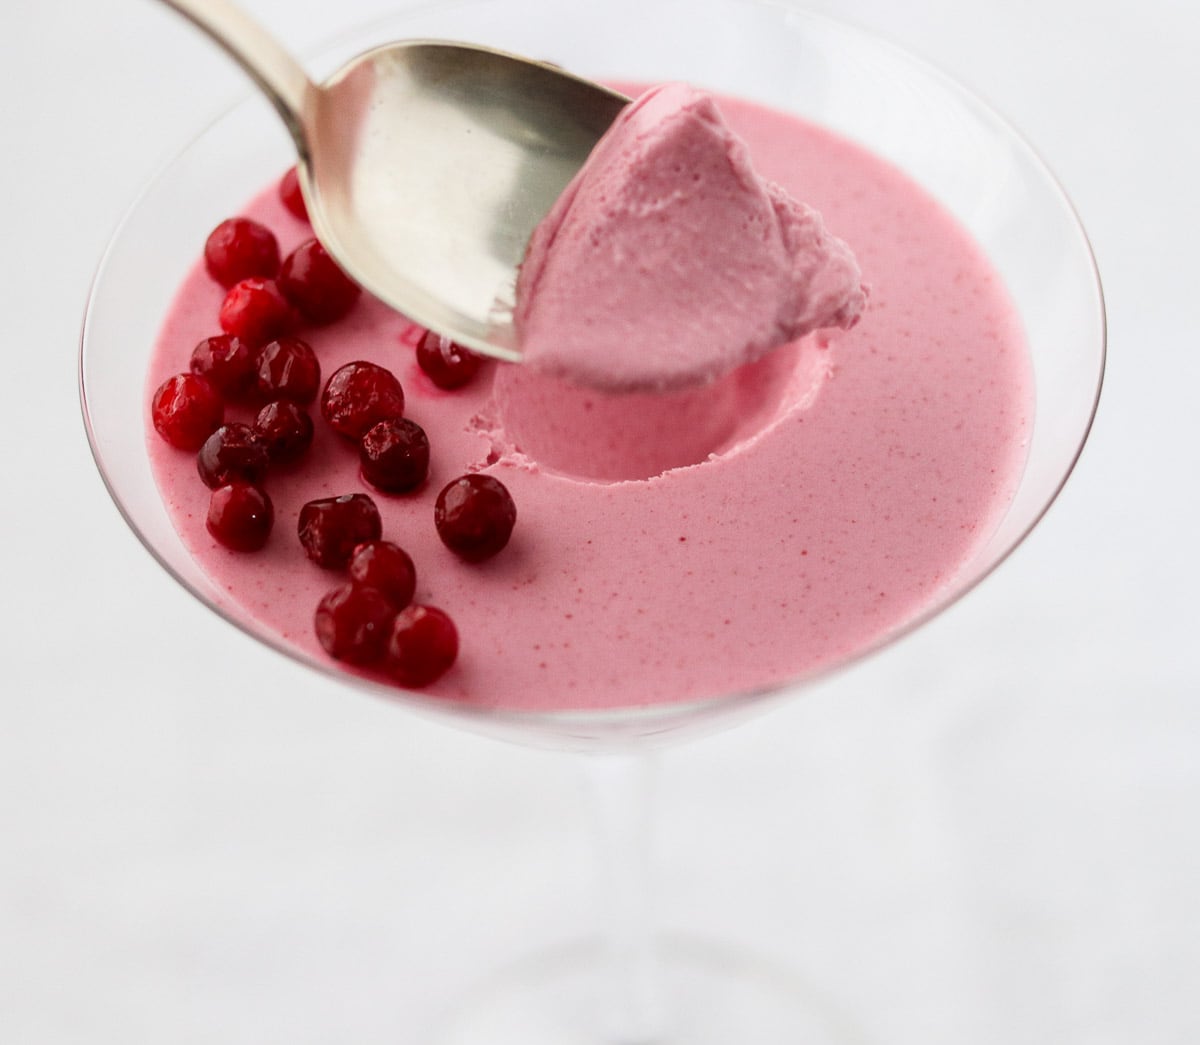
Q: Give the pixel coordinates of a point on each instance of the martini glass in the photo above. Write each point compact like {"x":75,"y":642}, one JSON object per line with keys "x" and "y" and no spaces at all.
{"x":633,"y":989}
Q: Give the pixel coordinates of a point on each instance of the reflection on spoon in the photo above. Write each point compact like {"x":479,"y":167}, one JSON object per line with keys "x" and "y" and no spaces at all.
{"x":426,"y":165}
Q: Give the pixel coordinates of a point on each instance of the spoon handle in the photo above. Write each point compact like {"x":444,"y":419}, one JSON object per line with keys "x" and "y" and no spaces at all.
{"x":280,"y":77}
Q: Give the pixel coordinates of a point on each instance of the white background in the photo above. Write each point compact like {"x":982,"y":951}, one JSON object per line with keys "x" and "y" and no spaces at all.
{"x":989,"y":834}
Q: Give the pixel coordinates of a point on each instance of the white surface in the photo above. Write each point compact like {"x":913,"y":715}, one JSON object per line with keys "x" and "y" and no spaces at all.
{"x":988,"y":835}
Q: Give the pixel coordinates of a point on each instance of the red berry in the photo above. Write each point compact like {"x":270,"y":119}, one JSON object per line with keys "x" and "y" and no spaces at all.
{"x":359,"y":395}
{"x":422,"y":646}
{"x":448,"y":365}
{"x":311,"y":280}
{"x":255,"y":311}
{"x":286,"y":430}
{"x":287,"y":369}
{"x":385,"y":567}
{"x":332,"y":527}
{"x":353,"y":623}
{"x":474,"y":516}
{"x":233,"y":453}
{"x":186,"y":410}
{"x":293,"y":198}
{"x":227,"y":362}
{"x":238,"y":249}
{"x":394,"y":455}
{"x":240,"y":517}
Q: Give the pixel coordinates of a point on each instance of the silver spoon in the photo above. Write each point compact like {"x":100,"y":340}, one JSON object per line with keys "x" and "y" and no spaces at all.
{"x":426,"y":165}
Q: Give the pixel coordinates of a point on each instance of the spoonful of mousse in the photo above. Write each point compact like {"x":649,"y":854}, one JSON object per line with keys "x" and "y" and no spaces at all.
{"x":538,"y":217}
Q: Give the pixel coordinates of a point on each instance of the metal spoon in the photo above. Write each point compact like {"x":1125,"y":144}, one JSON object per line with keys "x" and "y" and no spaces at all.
{"x":426,"y":165}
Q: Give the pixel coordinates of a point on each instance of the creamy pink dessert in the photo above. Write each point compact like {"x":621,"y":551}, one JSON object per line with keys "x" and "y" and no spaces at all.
{"x":668,"y":260}
{"x":688,"y":545}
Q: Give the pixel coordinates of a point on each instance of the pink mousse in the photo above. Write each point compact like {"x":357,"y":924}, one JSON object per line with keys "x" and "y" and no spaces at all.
{"x":795,"y":512}
{"x":668,"y":261}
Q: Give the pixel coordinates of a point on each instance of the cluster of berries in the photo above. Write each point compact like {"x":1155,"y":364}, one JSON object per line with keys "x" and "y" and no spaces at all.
{"x":258,"y":361}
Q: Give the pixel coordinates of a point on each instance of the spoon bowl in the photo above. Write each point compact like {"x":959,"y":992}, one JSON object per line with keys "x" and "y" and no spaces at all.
{"x":426,"y":164}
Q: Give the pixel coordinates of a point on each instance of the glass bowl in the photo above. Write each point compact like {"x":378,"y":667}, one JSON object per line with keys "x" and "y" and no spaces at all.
{"x":941,"y":135}
{"x":958,"y":149}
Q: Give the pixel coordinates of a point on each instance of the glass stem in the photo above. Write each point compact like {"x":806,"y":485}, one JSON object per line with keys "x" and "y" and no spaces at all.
{"x":621,"y":785}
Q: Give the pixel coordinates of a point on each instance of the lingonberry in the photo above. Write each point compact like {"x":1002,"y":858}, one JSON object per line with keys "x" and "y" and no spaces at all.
{"x":256,"y":311}
{"x":330,"y":528}
{"x":394,"y":455}
{"x":474,"y":515}
{"x":233,"y":453}
{"x":353,"y":623}
{"x":290,"y":194}
{"x":385,"y":567}
{"x":311,"y":280}
{"x":240,"y":516}
{"x":422,"y":646}
{"x":239,"y":248}
{"x":447,"y":364}
{"x":359,"y":395}
{"x":286,"y":429}
{"x":186,"y":410}
{"x":287,"y":368}
{"x":228,"y":362}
